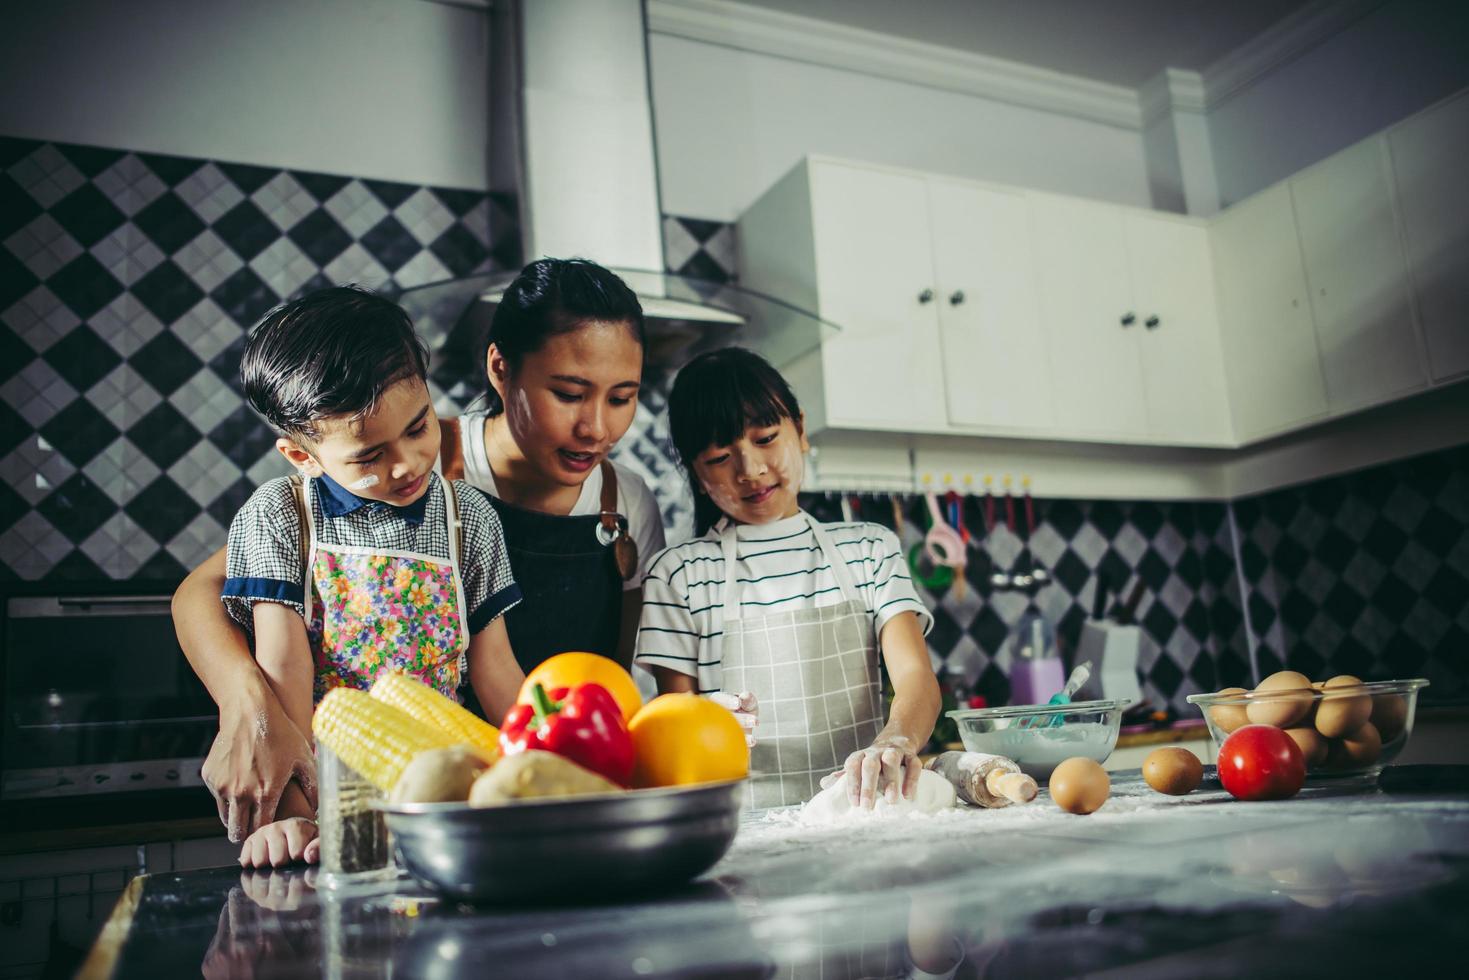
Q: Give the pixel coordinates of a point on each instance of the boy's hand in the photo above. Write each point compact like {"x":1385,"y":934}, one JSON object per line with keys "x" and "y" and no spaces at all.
{"x":745,"y":708}
{"x":281,"y":843}
{"x":252,"y":760}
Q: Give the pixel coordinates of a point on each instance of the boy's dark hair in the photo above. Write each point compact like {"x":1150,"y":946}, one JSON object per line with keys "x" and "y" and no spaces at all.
{"x":555,"y":296}
{"x":715,"y":397}
{"x":330,"y":353}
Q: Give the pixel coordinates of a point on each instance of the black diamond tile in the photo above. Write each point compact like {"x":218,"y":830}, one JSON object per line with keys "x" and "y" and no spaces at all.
{"x":1072,"y":572}
{"x":90,"y":160}
{"x":1247,"y":514}
{"x":1196,"y":620}
{"x":1448,"y":591}
{"x":994,"y":685}
{"x":390,"y":192}
{"x":1190,"y":570}
{"x":1159,"y":623}
{"x":1218,"y":566}
{"x":224,"y":507}
{"x":247,"y":230}
{"x":162,"y":509}
{"x":75,"y":566}
{"x":82,"y":357}
{"x":701,"y":229}
{"x":1375,"y":485}
{"x":1384,"y":541}
{"x":12,"y":507}
{"x":15,"y":354}
{"x":945,"y":633}
{"x":1345,"y":606}
{"x":320,"y":237}
{"x":1268,"y":660}
{"x":390,"y":243}
{"x":1404,"y":657}
{"x":1234,"y":670}
{"x":989,"y":630}
{"x":14,"y":149}
{"x":1147,"y":518}
{"x":320,"y":281}
{"x":163,"y":435}
{"x":1107,"y":518}
{"x":77,"y":508}
{"x":245,"y":297}
{"x":169,"y":222}
{"x":1203,"y":673}
{"x":1351,"y":657}
{"x":1281,"y":507}
{"x":1166,"y":675}
{"x":701,"y":265}
{"x":80,"y":432}
{"x":1296,"y":611}
{"x":1335,"y":549}
{"x":87,"y":215}
{"x":1224,"y":617}
{"x":170,"y":169}
{"x":17,"y":208}
{"x":84,"y":286}
{"x":167,"y":292}
{"x":1114,"y":570}
{"x":320,"y":186}
{"x":246,"y":177}
{"x":14,"y":430}
{"x":459,"y":202}
{"x":459,"y":250}
{"x":243,"y":437}
{"x":1153,"y":570}
{"x":1307,"y":660}
{"x":163,"y":568}
{"x":15,"y":279}
{"x":1438,"y":531}
{"x":1393,"y":598}
{"x":226,"y":365}
{"x":1210,"y":517}
{"x":1290,"y":557}
{"x":1326,"y":496}
{"x":1262,"y":613}
{"x":1069,"y":628}
{"x":1065,"y":517}
{"x":165,"y":362}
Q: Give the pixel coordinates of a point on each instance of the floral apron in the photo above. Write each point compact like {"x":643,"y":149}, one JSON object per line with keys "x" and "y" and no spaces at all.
{"x":815,"y":675}
{"x":369,"y":611}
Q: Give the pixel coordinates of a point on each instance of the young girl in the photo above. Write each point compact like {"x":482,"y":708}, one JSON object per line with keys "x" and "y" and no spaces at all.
{"x":779,"y":612}
{"x":563,"y":358}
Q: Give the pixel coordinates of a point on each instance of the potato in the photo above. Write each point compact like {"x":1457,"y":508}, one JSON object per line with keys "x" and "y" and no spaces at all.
{"x":536,"y":775}
{"x":440,"y":775}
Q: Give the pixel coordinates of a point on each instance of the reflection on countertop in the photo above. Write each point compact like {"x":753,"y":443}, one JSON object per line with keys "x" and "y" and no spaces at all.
{"x":1374,"y":878}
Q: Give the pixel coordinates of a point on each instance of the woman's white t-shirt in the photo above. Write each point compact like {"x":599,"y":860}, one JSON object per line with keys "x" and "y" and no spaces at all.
{"x":780,"y":567}
{"x":634,"y":500}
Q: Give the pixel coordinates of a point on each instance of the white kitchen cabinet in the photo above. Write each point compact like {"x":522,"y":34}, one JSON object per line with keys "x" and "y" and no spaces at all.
{"x":1430,"y":153}
{"x":1271,"y":361}
{"x":1356,"y":278}
{"x":994,"y":353}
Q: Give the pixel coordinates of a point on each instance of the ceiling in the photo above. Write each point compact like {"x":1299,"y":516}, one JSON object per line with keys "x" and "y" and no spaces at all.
{"x":1124,"y":42}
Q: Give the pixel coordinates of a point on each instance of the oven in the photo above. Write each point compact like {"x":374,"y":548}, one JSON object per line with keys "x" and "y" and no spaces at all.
{"x":104,"y":721}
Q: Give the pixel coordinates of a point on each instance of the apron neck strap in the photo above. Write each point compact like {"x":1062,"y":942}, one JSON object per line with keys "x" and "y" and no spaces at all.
{"x":839,"y":569}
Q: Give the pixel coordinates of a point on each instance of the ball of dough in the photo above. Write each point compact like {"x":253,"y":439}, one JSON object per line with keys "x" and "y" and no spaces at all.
{"x":831,"y":805}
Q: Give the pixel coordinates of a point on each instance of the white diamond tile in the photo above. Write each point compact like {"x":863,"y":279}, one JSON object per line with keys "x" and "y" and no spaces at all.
{"x":121,"y":471}
{"x":283,"y":267}
{"x":127,"y":253}
{"x":34,"y":472}
{"x":721,"y":247}
{"x":1315,"y":580}
{"x":201,"y":538}
{"x":357,"y":265}
{"x":424,"y":215}
{"x":33,"y":546}
{"x":120,"y":546}
{"x":205,"y":400}
{"x":43,"y":245}
{"x":208,"y":260}
{"x":1130,"y":544}
{"x":130,"y":185}
{"x":1405,"y":508}
{"x":477,"y":222}
{"x":46,"y":175}
{"x":37,"y":393}
{"x":421,"y":269}
{"x":1176,"y":595}
{"x":209,"y":192}
{"x":1089,"y":545}
{"x":40,"y":318}
{"x":206,"y":329}
{"x":270,"y":465}
{"x":124,"y":396}
{"x":1169,"y":545}
{"x":284,"y":201}
{"x":204,"y":472}
{"x":1415,"y":566}
{"x":1355,"y":518}
{"x":356,"y":209}
{"x":125,"y":324}
{"x":678,"y":245}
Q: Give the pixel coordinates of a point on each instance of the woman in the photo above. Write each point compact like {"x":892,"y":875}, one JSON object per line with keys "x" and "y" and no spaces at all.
{"x":563,"y":357}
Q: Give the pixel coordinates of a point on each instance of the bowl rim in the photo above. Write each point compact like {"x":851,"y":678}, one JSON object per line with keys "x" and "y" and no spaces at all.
{"x":1022,"y":710}
{"x":1408,"y":686}
{"x":458,"y":806}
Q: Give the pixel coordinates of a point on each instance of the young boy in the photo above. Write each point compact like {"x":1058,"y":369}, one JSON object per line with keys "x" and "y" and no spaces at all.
{"x":366,"y":561}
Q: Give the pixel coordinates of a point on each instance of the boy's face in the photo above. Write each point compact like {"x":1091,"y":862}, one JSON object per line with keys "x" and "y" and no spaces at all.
{"x":385,"y":456}
{"x":755,"y":479}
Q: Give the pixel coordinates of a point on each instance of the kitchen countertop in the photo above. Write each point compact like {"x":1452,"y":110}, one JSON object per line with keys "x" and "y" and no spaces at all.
{"x":1349,"y":879}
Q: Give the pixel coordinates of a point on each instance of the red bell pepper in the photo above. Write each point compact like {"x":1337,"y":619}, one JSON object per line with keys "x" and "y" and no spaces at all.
{"x":582,"y":723}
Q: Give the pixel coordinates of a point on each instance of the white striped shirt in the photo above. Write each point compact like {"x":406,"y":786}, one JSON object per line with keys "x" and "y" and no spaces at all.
{"x":780,"y":567}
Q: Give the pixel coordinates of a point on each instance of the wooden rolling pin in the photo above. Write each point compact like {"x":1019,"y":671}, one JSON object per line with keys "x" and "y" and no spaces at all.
{"x":991,"y":781}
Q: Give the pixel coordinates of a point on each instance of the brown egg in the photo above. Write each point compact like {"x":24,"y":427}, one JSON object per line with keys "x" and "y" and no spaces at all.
{"x":1173,"y":771}
{"x":1357,"y":752}
{"x":1312,"y":745}
{"x":1229,"y":716}
{"x":1282,"y":712}
{"x":1389,"y":715}
{"x":1340,"y":715}
{"x":1079,"y":785}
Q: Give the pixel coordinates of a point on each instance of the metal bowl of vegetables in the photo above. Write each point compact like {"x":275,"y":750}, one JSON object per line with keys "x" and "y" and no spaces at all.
{"x":572,"y":850}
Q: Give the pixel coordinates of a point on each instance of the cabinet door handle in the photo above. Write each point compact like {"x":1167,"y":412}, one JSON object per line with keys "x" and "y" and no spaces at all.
{"x":956,"y":297}
{"x":926,"y":296}
{"x":1128,"y":319}
{"x":1152,"y":322}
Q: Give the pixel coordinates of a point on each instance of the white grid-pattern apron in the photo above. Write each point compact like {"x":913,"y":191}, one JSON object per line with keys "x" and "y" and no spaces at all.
{"x":815,"y":675}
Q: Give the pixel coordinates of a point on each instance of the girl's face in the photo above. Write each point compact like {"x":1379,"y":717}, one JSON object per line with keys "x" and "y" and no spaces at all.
{"x":567,"y":404}
{"x":755,"y":479}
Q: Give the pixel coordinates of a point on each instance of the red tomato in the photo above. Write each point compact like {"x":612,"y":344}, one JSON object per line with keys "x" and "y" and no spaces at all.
{"x":1261,"y":762}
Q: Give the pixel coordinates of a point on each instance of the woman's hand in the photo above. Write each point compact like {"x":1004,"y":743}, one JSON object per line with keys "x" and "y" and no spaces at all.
{"x":253,"y":759}
{"x":281,"y":843}
{"x":745,"y":708}
{"x":889,"y":766}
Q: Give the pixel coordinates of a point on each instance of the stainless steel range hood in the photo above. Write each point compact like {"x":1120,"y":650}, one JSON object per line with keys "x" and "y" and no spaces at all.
{"x":573,"y":140}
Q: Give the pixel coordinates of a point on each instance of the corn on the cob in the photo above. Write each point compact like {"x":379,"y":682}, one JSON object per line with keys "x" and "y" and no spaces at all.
{"x":375,"y":739}
{"x":430,"y":707}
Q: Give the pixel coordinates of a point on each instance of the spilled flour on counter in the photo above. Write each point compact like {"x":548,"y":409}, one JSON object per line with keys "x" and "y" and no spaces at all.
{"x":832,"y":808}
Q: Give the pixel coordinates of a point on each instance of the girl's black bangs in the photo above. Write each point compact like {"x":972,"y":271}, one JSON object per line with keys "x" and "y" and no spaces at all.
{"x":736,"y":402}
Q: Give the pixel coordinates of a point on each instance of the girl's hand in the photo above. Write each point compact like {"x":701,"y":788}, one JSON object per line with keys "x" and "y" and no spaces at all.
{"x":281,"y":843}
{"x":889,"y":765}
{"x":746,"y":711}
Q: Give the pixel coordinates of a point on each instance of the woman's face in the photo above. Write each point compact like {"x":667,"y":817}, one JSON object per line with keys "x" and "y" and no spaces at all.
{"x":755,"y":479}
{"x":567,"y":404}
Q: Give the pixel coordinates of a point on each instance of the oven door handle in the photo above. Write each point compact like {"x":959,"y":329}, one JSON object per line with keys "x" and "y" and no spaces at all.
{"x":83,"y":602}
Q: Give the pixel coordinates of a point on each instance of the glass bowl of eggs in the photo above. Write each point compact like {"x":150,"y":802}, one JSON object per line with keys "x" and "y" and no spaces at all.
{"x":1344,"y":727}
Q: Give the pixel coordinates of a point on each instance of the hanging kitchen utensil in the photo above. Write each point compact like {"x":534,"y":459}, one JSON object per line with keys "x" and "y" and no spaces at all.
{"x":998,"y":579}
{"x":932,"y":576}
{"x":1038,"y":574}
{"x":1022,"y":578}
{"x":897,"y":514}
{"x":846,"y":506}
{"x":954,"y":505}
{"x":943,"y":544}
